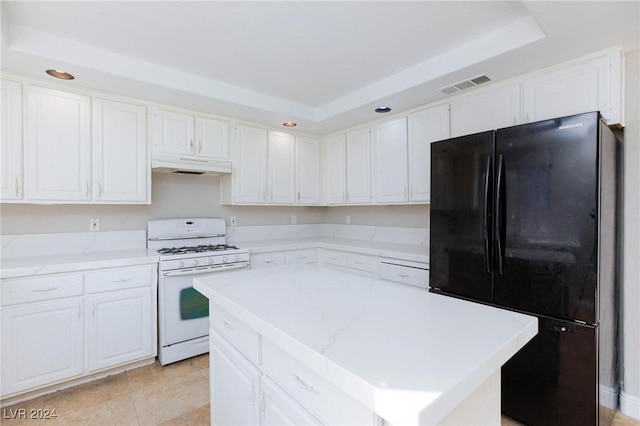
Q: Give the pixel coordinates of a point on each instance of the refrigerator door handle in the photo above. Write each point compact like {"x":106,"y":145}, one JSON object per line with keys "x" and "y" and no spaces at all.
{"x":498,"y":213}
{"x":485,"y":215}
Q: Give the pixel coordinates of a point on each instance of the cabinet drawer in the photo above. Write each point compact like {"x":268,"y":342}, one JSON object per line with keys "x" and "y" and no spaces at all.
{"x":120,"y":278}
{"x":361,"y":262}
{"x":45,"y":288}
{"x":302,"y":256}
{"x":264,"y":260}
{"x":336,"y":258}
{"x":412,"y":275}
{"x":325,"y":401}
{"x":243,"y":338}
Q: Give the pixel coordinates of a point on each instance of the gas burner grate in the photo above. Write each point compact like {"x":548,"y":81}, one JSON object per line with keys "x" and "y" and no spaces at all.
{"x":196,"y":249}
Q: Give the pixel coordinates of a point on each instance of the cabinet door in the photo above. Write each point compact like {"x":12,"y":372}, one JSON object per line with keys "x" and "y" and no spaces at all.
{"x":308,"y":170}
{"x":119,"y":152}
{"x":42,"y":343}
{"x":389,"y":169}
{"x":359,"y":167}
{"x":234,"y":385}
{"x":277,"y":408}
{"x":212,"y":138}
{"x":487,"y":110}
{"x":583,"y":87}
{"x":426,"y":126}
{"x":250,"y":165}
{"x":281,"y":168}
{"x":335,"y":169}
{"x":58,"y":145}
{"x":173,"y":133}
{"x":119,"y":327}
{"x":11,"y":142}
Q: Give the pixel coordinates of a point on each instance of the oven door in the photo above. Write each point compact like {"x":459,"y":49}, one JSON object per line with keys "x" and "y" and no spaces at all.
{"x":184,"y":312}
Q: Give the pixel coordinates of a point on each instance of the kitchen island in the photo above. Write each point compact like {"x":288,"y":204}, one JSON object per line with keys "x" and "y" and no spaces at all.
{"x":313,"y":345}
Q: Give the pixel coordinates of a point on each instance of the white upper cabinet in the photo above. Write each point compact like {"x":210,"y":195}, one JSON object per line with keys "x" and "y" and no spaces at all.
{"x":183,"y":134}
{"x":58,"y":145}
{"x":592,"y":85}
{"x":359,"y":166}
{"x":335,"y":169}
{"x":486,"y":110}
{"x":271,"y":167}
{"x":174,"y":133}
{"x":281,"y":168}
{"x":250,"y":165}
{"x":424,"y":127}
{"x":389,"y":168}
{"x":121,"y":170}
{"x":11,"y":143}
{"x":212,"y":138}
{"x":308,"y":175}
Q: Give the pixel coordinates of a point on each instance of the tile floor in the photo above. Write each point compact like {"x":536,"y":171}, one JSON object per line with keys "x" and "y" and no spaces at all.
{"x":177,"y":394}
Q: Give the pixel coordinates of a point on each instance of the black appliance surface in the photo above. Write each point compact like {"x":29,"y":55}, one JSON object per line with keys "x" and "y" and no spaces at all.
{"x":524,"y":218}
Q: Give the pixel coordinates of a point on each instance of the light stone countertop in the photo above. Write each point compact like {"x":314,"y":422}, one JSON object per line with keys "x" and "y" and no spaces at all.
{"x":410,"y":252}
{"x":409,"y":355}
{"x":58,"y":263}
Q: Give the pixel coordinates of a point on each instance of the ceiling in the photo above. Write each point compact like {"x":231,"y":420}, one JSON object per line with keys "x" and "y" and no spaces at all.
{"x":325,"y":65}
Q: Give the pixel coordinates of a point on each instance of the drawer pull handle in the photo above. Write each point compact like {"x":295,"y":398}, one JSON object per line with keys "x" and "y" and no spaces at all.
{"x":268,"y":261}
{"x":403,"y":275}
{"x":121,"y":280}
{"x":359,"y":263}
{"x":304,"y":385}
{"x":44,"y":290}
{"x":228,"y":326}
{"x":302,"y":257}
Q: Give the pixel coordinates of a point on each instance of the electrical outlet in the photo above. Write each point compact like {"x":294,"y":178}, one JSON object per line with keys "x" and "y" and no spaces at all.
{"x":94,"y":225}
{"x":348,"y":220}
{"x":294,"y":219}
{"x":232,"y":220}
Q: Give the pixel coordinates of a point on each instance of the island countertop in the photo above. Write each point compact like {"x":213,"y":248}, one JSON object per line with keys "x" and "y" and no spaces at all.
{"x":408,"y":355}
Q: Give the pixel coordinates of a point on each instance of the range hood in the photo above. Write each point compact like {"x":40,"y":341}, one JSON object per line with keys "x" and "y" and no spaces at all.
{"x":187,"y":165}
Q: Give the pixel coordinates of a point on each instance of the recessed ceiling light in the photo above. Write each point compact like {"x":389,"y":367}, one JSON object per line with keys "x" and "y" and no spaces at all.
{"x":382,"y":110}
{"x":289,"y":124}
{"x":60,"y":74}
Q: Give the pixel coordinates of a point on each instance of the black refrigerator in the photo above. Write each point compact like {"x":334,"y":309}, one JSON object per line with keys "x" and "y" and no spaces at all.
{"x":524,"y":218}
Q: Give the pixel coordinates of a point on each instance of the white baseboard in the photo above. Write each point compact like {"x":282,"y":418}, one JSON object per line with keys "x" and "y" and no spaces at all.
{"x":609,"y":396}
{"x":630,"y":405}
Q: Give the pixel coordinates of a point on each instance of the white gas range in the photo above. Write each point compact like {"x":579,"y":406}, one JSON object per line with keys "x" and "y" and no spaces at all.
{"x":188,"y":247}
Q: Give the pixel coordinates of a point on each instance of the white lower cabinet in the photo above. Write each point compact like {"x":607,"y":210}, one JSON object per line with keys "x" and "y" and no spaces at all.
{"x":52,"y":323}
{"x":277,"y":391}
{"x":265,"y":260}
{"x":279,"y":258}
{"x":278,"y":408}
{"x":302,"y":256}
{"x":119,"y":327}
{"x":42,"y":343}
{"x":234,"y":385}
{"x":362,"y":264}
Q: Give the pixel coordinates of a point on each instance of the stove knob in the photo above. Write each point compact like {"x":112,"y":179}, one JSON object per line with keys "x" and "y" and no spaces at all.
{"x":179,"y":263}
{"x":224,"y":259}
{"x":195,"y":262}
{"x":210,"y":261}
{"x":237,"y":258}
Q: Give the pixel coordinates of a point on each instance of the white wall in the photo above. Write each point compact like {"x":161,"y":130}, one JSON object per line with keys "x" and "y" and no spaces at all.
{"x":414,"y":216}
{"x":630,"y":398}
{"x":174,"y":195}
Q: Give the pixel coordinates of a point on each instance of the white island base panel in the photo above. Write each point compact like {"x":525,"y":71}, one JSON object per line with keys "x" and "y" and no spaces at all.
{"x":407,"y":356}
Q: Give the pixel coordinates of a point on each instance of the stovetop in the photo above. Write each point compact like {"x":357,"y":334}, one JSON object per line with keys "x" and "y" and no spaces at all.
{"x":203,"y":248}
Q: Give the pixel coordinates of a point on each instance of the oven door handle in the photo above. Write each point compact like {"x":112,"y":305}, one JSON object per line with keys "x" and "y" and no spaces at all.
{"x":206,"y":270}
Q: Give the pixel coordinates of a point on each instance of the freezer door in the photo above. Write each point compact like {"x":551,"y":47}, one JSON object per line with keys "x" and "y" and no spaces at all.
{"x":461,"y":222}
{"x":553,"y":379}
{"x":546,"y":217}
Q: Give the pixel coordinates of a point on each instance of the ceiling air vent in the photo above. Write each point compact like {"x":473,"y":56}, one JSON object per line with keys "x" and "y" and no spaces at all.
{"x":464,"y":85}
